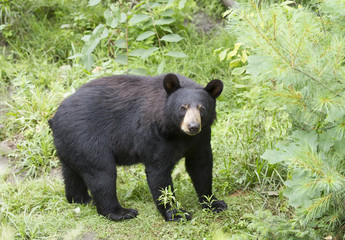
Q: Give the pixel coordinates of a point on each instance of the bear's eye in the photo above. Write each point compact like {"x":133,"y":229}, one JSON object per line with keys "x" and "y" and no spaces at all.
{"x":183,"y":108}
{"x":201,"y":109}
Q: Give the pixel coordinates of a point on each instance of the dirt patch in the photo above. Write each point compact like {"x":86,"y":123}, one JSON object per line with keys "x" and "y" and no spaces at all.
{"x":204,"y":23}
{"x":89,"y":236}
{"x":240,"y":193}
{"x":6,"y":167}
{"x":56,"y":173}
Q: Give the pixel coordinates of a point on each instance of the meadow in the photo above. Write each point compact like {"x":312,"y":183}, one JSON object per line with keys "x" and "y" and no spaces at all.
{"x":277,"y":141}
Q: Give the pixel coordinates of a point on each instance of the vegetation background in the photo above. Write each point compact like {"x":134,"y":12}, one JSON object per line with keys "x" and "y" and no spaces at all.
{"x":278,"y":142}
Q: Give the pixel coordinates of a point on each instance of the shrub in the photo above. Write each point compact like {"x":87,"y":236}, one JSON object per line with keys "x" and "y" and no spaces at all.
{"x":295,"y":54}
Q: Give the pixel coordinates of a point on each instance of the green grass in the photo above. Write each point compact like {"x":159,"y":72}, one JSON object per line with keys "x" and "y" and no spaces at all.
{"x":34,"y":66}
{"x":37,"y":209}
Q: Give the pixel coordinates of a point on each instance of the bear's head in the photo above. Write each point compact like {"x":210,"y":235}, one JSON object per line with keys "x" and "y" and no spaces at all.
{"x":191,"y":109}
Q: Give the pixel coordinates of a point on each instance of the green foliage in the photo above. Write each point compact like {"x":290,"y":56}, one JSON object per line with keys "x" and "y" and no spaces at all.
{"x":254,"y":113}
{"x":168,"y":200}
{"x":36,"y":90}
{"x":296,"y":56}
{"x":264,"y":225}
{"x":316,"y":186}
{"x":136,"y":30}
{"x":45,"y":27}
{"x":242,"y":136}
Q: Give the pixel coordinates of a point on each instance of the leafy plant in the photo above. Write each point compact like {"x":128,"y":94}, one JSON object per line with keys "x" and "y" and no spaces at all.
{"x":296,"y":56}
{"x":136,"y":30}
{"x":265,"y":225}
{"x":168,"y":200}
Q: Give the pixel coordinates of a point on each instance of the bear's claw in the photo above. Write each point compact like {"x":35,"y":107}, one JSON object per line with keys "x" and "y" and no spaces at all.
{"x":215,"y":206}
{"x":218,"y":206}
{"x":123,"y":214}
{"x":177,"y":215}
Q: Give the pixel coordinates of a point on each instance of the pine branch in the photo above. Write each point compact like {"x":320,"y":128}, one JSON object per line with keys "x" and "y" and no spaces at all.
{"x":285,"y":59}
{"x":315,"y":80}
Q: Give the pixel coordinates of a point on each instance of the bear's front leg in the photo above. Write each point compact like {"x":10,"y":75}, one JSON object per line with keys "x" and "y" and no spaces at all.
{"x":199,"y":165}
{"x":158,"y":180}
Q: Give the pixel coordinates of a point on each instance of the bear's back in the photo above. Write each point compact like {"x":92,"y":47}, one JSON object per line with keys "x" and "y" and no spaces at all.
{"x":115,"y":103}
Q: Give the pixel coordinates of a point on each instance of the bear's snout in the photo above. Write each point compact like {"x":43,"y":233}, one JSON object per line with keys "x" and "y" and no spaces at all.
{"x":191,"y":123}
{"x":194,"y":127}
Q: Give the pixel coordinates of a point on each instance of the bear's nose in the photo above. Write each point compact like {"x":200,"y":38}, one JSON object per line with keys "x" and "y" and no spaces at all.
{"x":193,"y":127}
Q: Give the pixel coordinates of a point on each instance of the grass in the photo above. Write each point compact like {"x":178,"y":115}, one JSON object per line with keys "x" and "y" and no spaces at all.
{"x":37,"y":209}
{"x":37,"y":76}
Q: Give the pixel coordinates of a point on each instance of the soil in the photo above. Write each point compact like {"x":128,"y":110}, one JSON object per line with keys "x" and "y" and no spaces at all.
{"x":204,"y":23}
{"x":6,"y":167}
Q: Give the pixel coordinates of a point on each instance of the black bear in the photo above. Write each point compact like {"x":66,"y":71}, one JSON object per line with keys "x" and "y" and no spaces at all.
{"x":124,"y":120}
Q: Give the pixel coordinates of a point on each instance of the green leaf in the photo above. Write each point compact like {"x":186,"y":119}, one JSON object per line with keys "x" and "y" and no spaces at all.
{"x":148,"y":52}
{"x":137,"y":52}
{"x":335,"y":113}
{"x":234,"y":51}
{"x":165,"y":21}
{"x":166,"y":28}
{"x":3,"y":26}
{"x":235,"y":63}
{"x":181,"y":4}
{"x":86,"y":38}
{"x":138,"y":18}
{"x":306,"y":138}
{"x":161,"y":67}
{"x":123,"y":17}
{"x":167,"y":13}
{"x":176,"y":54}
{"x":121,"y":59}
{"x":94,"y":2}
{"x":296,"y":190}
{"x":110,"y":20}
{"x":120,"y":43}
{"x":105,"y":33}
{"x":282,"y":152}
{"x":172,"y":38}
{"x":326,"y":141}
{"x":98,"y":30}
{"x":75,"y":56}
{"x":113,"y":7}
{"x":154,"y":5}
{"x":87,"y":61}
{"x":244,"y":56}
{"x":169,"y":2}
{"x":238,"y":71}
{"x":145,"y":35}
{"x":231,"y":54}
{"x":147,"y":24}
{"x":339,"y":147}
{"x":143,"y":53}
{"x":98,"y":33}
{"x":217,"y":51}
{"x":222,"y":54}
{"x":272,"y":156}
{"x":138,"y":71}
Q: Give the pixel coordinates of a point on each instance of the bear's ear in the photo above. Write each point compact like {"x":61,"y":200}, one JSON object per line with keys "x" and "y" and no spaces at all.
{"x":214,"y":88}
{"x":171,"y":83}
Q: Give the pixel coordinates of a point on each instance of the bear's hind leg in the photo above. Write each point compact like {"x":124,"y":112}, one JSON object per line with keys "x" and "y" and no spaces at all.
{"x":76,"y":190}
{"x":102,"y":184}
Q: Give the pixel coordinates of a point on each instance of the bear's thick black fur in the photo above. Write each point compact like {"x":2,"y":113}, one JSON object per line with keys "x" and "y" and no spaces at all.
{"x":124,"y":120}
